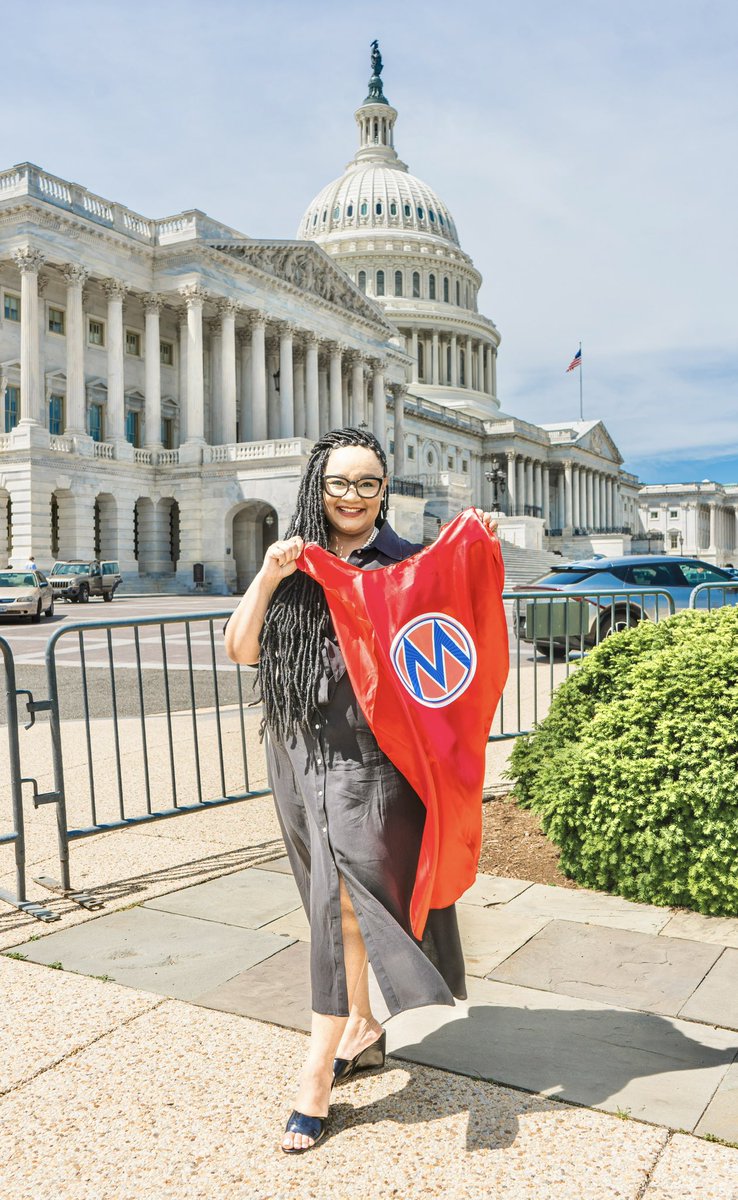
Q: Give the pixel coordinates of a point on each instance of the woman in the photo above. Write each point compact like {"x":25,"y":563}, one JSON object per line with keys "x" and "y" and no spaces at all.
{"x":352,"y":824}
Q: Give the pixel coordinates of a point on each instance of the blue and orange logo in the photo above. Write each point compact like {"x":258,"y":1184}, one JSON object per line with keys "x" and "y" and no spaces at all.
{"x":435,"y":658}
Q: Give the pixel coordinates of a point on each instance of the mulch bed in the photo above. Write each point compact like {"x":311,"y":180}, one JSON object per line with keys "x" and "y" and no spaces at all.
{"x":514,"y":845}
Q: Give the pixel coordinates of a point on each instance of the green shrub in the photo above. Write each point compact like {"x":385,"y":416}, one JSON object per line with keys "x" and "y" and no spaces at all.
{"x":634,"y":771}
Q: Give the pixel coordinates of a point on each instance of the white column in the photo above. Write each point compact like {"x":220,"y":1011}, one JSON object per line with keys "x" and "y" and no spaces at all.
{"x":454,"y":362}
{"x":713,"y":532}
{"x":603,"y":502}
{"x":212,"y":360}
{"x":152,"y":372}
{"x":299,"y":401}
{"x":414,"y":352}
{"x":323,"y":400}
{"x":560,"y":501}
{"x":537,"y":484}
{"x":529,"y":493}
{"x":32,"y":396}
{"x":273,"y":369}
{"x":259,"y":426}
{"x":286,"y":385}
{"x":75,"y":278}
{"x":115,"y":423}
{"x":228,"y":396}
{"x":576,"y":492}
{"x":520,"y":486}
{"x":493,"y":352}
{"x":194,"y":297}
{"x":245,"y":423}
{"x":589,"y":505}
{"x":582,"y":496}
{"x":379,"y":405}
{"x":480,"y":366}
{"x":335,"y":415}
{"x":358,"y":414}
{"x":569,"y":493}
{"x":511,"y":482}
{"x":398,"y":391}
{"x":312,"y":389}
{"x":546,"y":485}
{"x":435,"y":374}
{"x":611,"y":519}
{"x":596,"y":500}
{"x":182,"y":376}
{"x":469,"y":362}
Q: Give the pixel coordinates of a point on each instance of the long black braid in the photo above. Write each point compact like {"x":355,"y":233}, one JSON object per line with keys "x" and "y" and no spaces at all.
{"x":290,"y":658}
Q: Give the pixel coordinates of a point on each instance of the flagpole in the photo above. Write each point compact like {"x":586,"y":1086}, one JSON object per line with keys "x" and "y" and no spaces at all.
{"x":581,"y":402}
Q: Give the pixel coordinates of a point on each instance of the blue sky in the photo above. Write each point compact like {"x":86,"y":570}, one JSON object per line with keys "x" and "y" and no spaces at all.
{"x":585,"y":149}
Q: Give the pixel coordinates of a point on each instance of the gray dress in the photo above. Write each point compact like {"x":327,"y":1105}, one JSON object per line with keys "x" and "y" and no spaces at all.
{"x":344,"y":809}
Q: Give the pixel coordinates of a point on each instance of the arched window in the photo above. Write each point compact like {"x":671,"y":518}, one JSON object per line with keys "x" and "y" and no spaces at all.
{"x":393,"y":209}
{"x":350,"y":210}
{"x":315,"y":218}
{"x":416,"y":284}
{"x":431,"y":287}
{"x":462,"y":368}
{"x":466,"y":292}
{"x":378,"y":208}
{"x":336,"y":212}
{"x":364,"y":209}
{"x":380,"y":283}
{"x":325,"y":215}
{"x":458,"y":293}
{"x":420,"y":212}
{"x":376,"y":131}
{"x":440,"y":218}
{"x":421,"y":360}
{"x":407,"y":210}
{"x":448,"y":363}
{"x":398,"y":283}
{"x":431,"y":214}
{"x":445,"y":288}
{"x":361,"y":280}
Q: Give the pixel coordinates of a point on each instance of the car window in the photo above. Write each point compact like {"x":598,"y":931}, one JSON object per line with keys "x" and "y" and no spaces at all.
{"x":563,"y":578}
{"x":110,"y":568}
{"x":29,"y":581}
{"x":12,"y":579}
{"x":695,"y":573}
{"x":650,"y":575}
{"x":41,"y":577}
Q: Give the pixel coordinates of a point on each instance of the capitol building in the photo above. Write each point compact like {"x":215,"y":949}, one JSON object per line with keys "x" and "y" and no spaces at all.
{"x":163,"y":380}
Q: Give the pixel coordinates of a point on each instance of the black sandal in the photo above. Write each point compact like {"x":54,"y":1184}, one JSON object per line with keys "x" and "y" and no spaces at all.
{"x":312,"y":1127}
{"x":370,"y":1059}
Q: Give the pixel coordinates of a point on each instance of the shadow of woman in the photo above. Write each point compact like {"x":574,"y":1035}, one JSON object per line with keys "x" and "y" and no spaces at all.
{"x":611,"y":1059}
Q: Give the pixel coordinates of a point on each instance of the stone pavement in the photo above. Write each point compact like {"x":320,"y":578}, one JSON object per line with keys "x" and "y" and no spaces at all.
{"x":176,"y":1084}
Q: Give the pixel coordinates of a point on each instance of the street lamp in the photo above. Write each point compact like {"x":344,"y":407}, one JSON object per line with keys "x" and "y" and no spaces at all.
{"x":496,"y":476}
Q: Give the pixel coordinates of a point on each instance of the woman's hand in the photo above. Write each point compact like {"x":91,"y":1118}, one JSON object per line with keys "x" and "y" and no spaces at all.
{"x":280,"y":560}
{"x":488,"y":520}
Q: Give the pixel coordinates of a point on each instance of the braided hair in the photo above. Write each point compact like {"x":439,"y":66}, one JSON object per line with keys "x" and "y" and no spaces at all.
{"x":290,"y":659}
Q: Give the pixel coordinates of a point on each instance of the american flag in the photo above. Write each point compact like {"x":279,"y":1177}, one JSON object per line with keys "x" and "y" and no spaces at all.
{"x":576,"y":361}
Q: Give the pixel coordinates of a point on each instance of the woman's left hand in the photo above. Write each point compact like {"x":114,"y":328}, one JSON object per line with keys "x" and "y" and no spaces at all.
{"x":488,"y":520}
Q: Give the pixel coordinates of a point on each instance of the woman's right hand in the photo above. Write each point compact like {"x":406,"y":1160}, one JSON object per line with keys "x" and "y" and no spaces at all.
{"x":280,"y":560}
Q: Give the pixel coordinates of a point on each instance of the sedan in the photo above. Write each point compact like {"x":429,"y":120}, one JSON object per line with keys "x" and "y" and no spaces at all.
{"x":25,"y":594}
{"x":611,"y":594}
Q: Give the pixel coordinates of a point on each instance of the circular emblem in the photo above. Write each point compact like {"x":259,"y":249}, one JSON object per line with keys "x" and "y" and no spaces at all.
{"x":435,"y":658}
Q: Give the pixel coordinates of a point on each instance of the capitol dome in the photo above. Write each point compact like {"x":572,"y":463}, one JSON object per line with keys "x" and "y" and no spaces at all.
{"x":397,"y":241}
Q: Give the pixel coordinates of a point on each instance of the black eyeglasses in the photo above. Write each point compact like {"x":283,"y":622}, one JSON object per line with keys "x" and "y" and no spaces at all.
{"x":366,"y":488}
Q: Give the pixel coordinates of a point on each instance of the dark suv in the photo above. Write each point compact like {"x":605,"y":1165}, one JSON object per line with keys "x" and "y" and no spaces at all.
{"x":632,"y":590}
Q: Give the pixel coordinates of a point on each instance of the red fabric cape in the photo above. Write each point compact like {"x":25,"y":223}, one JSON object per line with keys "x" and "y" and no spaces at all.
{"x":455,"y":656}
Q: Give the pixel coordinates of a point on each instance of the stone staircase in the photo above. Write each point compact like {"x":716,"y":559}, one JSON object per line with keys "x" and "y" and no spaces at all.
{"x":523,"y":566}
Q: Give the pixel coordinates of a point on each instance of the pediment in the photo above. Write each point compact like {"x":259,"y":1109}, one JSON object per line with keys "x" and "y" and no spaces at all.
{"x":599,"y":442}
{"x":307,"y":267}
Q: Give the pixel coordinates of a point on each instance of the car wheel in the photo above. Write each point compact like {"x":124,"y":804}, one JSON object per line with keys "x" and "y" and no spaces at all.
{"x":107,"y":597}
{"x":37,"y":615}
{"x":84,"y":594}
{"x":553,"y":653}
{"x":617,"y":622}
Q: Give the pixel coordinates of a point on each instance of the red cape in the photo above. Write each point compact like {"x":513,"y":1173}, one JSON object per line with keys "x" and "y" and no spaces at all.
{"x":426,"y":648}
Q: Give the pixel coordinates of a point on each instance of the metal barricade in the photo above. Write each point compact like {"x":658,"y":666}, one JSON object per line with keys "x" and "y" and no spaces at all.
{"x":180,"y":771}
{"x":557,"y":626}
{"x":725,"y":593}
{"x":15,"y":781}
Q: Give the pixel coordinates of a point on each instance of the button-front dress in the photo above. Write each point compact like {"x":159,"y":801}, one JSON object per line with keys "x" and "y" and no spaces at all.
{"x":346,"y":811}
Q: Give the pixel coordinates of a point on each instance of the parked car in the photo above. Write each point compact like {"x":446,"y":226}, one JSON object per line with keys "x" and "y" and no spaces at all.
{"x":576,"y":623}
{"x":78,"y":579}
{"x":25,"y":594}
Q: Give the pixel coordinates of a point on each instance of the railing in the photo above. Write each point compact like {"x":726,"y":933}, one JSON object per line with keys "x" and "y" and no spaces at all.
{"x":145,"y":457}
{"x":406,"y":487}
{"x":104,"y":449}
{"x":62,"y":445}
{"x":238,"y":451}
{"x":12,"y":814}
{"x":726,"y":594}
{"x":560,"y":628}
{"x":6,"y":442}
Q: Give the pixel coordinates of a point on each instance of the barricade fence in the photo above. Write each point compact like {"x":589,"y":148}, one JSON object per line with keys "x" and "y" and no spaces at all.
{"x":723,"y":593}
{"x":149,"y":719}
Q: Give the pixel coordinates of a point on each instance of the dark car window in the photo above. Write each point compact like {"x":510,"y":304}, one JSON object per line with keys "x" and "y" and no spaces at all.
{"x":563,"y":577}
{"x":695,"y":573}
{"x":650,"y":575}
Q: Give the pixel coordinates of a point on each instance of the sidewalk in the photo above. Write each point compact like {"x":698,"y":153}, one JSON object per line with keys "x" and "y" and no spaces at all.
{"x":596,"y":1053}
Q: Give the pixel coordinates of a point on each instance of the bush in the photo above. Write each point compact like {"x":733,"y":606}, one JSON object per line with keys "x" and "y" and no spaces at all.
{"x":634,"y":771}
